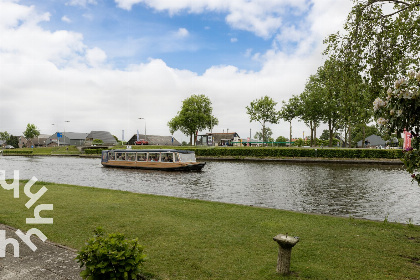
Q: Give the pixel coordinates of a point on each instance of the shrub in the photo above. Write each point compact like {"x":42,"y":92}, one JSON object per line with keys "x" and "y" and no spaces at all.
{"x":110,"y":257}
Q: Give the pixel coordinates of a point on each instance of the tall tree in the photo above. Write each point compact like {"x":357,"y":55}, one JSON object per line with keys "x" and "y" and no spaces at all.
{"x":31,"y":132}
{"x":5,"y":136}
{"x":195,"y":115}
{"x":381,"y":40}
{"x":264,"y":111}
{"x":289,"y":111}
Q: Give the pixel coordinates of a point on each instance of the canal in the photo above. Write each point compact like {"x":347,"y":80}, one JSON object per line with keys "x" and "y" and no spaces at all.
{"x":375,"y":192}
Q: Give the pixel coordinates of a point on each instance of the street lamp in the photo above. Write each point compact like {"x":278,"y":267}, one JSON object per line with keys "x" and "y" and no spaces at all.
{"x":145,"y":135}
{"x":65,"y":132}
{"x":58,"y":139}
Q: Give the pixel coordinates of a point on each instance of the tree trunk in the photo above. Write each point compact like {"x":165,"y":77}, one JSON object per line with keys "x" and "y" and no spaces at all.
{"x":315,"y":134}
{"x":364,"y":135}
{"x":331,"y":133}
{"x":290,"y":139}
{"x":349,"y":131}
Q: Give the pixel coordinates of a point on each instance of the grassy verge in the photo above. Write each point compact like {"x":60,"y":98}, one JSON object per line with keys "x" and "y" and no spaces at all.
{"x":190,"y":239}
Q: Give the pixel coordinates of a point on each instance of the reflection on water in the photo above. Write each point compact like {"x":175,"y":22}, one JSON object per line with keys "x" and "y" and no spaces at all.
{"x":366,"y":191}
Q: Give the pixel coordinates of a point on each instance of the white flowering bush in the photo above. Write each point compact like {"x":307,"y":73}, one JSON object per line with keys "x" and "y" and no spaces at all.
{"x":399,"y":110}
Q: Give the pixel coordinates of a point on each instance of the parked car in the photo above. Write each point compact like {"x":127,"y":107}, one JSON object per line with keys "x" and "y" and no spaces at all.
{"x":9,"y":147}
{"x":141,"y":142}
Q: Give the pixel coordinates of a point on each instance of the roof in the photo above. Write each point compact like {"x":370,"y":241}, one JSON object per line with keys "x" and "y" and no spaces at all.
{"x":71,"y":135}
{"x":156,"y":140}
{"x":105,"y":136}
{"x":374,"y":140}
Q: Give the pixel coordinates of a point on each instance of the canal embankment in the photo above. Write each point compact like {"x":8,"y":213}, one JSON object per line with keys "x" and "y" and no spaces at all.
{"x":193,"y":239}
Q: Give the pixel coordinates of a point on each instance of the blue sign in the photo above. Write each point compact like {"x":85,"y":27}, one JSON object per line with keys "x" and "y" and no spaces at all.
{"x":59,"y":135}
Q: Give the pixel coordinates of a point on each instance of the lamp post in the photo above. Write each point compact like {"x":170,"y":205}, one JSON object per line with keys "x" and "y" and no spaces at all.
{"x":145,"y":135}
{"x":58,"y":139}
{"x":65,"y":132}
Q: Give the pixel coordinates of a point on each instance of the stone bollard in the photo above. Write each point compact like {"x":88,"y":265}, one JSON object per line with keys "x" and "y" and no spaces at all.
{"x":286,"y":244}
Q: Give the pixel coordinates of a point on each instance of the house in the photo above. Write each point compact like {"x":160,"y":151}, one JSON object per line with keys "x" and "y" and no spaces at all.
{"x":67,"y":139}
{"x":218,"y":139}
{"x":375,"y":141}
{"x":155,"y":140}
{"x":105,"y":136}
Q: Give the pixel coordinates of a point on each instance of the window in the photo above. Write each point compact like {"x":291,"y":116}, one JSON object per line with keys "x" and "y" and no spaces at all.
{"x":190,"y":157}
{"x":141,"y":156}
{"x":153,"y":157}
{"x":131,"y":156}
{"x":167,"y":157}
{"x":120,"y":156}
{"x":111,"y":156}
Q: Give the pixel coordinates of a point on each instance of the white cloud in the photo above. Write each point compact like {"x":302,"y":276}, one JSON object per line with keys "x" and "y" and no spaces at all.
{"x":95,"y":57}
{"x":182,"y":33}
{"x":262,"y":17}
{"x":233,"y":40}
{"x":66,"y":19}
{"x":82,"y":3}
{"x":54,"y":76}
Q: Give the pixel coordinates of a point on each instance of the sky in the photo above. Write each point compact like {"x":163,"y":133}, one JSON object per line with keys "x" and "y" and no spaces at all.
{"x":89,"y":65}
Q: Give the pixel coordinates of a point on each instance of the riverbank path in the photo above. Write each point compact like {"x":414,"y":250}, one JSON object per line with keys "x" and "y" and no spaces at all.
{"x":49,"y":262}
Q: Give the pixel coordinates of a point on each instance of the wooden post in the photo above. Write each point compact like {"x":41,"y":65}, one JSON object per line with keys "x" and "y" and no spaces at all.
{"x":286,"y":244}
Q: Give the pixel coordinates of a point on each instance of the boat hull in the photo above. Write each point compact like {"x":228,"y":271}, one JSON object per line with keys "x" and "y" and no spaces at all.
{"x":196,"y":166}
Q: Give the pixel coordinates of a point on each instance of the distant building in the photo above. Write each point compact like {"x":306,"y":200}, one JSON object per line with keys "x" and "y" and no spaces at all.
{"x":155,"y":140}
{"x":375,"y":141}
{"x":105,"y":136}
{"x":67,"y":139}
{"x":218,"y":139}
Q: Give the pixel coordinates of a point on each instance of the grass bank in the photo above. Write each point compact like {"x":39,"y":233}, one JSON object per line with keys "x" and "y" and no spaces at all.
{"x":190,"y":239}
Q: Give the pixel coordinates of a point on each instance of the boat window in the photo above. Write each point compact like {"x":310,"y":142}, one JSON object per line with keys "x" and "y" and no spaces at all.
{"x":176,"y":157}
{"x":141,"y":156}
{"x":153,"y":157}
{"x":131,"y":156}
{"x":167,"y":157}
{"x":190,"y":157}
{"x":120,"y":156}
{"x":111,"y":156}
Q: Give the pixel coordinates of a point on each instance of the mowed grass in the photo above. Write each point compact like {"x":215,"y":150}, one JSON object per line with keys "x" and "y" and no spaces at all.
{"x":191,"y":239}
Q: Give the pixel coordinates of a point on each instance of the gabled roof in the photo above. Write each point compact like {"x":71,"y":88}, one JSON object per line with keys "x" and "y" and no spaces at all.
{"x":105,"y":136}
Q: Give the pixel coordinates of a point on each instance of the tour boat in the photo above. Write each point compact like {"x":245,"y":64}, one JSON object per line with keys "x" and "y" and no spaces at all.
{"x":171,"y":160}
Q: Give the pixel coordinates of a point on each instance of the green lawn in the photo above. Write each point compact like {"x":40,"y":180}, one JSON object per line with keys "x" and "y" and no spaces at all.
{"x":190,"y":239}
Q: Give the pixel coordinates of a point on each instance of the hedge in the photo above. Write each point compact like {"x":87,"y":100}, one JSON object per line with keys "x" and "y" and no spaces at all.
{"x":17,"y":152}
{"x":94,"y":151}
{"x":298,"y":152}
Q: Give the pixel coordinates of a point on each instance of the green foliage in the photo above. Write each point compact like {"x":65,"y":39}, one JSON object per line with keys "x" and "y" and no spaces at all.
{"x":93,"y":151}
{"x":18,"y":152}
{"x":14,"y":141}
{"x":399,"y":111}
{"x":282,"y":139}
{"x":31,"y":131}
{"x":97,"y":142}
{"x":298,"y":152}
{"x":195,"y":115}
{"x":263,"y":111}
{"x":110,"y":257}
{"x":4,"y":136}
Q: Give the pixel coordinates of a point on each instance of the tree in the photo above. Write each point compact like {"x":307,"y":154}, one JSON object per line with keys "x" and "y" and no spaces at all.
{"x":260,"y":135}
{"x":283,"y":141}
{"x":398,"y":111}
{"x":382,"y":41}
{"x":263,"y":111}
{"x":289,"y":111}
{"x":14,"y":141}
{"x":31,"y":132}
{"x":5,"y":136}
{"x":195,"y":115}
